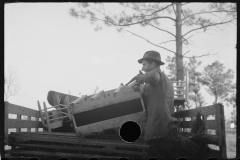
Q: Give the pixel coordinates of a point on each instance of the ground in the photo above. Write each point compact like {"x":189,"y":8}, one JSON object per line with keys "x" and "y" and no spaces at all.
{"x":231,"y":140}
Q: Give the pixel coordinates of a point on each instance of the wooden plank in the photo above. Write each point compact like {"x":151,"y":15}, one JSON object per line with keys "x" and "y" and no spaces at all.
{"x":70,"y":139}
{"x":98,"y":95}
{"x":79,"y":148}
{"x":6,"y":104}
{"x":15,"y":123}
{"x":68,"y":110}
{"x":41,"y":114}
{"x":221,"y":129}
{"x":209,"y":124}
{"x":56,"y":124}
{"x":209,"y":139}
{"x":139,"y":117}
{"x":48,"y":134}
{"x":205,"y":111}
{"x":20,"y":110}
{"x":56,"y":113}
{"x":59,"y":154}
{"x":58,"y":118}
{"x":108,"y":112}
{"x":119,"y":89}
{"x":18,"y":128}
{"x":125,"y":95}
{"x":46,"y":115}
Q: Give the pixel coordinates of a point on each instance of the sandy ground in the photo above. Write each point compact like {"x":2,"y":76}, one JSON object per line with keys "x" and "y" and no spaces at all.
{"x":231,"y":140}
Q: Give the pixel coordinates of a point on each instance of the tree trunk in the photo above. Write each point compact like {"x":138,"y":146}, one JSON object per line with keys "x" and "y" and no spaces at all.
{"x":179,"y":58}
{"x":216,"y":97}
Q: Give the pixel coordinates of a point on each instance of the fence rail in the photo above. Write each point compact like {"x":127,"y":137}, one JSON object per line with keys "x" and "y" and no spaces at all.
{"x":15,"y":122}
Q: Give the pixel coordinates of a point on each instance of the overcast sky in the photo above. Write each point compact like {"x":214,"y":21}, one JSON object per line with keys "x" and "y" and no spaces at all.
{"x":53,"y":51}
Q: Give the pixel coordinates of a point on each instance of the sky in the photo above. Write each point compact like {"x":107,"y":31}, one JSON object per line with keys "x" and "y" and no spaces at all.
{"x":52,"y":50}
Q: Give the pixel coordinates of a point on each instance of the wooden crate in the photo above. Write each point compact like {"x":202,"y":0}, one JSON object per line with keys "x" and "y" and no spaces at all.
{"x":108,"y":111}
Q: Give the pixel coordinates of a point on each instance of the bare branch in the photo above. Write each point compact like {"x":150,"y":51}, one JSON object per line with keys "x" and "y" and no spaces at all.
{"x":151,"y":42}
{"x":199,"y":56}
{"x":167,"y":41}
{"x":214,"y":24}
{"x":184,"y":40}
{"x":186,"y":52}
{"x":161,"y":29}
{"x":11,"y":86}
{"x":174,"y":8}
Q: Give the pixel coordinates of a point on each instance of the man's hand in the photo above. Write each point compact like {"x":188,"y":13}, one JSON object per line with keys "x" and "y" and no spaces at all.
{"x":139,"y":79}
{"x":136,"y":88}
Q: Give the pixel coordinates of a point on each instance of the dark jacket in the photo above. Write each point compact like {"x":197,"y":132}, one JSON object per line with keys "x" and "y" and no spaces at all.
{"x":158,"y":98}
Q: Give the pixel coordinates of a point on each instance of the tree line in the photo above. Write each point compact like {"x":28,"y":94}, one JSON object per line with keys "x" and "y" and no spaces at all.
{"x":215,"y":78}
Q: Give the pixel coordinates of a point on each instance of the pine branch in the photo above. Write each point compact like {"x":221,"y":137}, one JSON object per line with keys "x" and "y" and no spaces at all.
{"x":199,"y":56}
{"x":130,"y":24}
{"x":205,"y":13}
{"x":160,"y":10}
{"x":214,"y":24}
{"x":151,"y":42}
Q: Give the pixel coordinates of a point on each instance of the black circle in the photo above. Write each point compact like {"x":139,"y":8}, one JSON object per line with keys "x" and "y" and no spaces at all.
{"x":130,"y":131}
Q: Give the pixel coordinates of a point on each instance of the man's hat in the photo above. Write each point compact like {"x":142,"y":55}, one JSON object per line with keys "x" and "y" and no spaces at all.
{"x":152,"y":55}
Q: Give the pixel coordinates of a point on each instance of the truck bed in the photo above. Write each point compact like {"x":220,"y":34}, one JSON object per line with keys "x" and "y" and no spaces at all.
{"x":56,"y":145}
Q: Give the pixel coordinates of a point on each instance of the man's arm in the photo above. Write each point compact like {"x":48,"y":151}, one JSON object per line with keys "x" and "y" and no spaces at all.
{"x":152,"y":77}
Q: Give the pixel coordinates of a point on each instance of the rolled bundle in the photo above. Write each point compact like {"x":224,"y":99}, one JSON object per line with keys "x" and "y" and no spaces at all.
{"x":52,"y":98}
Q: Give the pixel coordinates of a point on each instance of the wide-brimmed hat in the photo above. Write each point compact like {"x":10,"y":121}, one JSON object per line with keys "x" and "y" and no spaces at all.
{"x":152,"y":55}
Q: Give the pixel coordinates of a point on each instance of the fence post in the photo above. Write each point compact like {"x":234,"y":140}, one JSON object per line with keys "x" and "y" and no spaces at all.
{"x":6,"y":122}
{"x":221,"y":129}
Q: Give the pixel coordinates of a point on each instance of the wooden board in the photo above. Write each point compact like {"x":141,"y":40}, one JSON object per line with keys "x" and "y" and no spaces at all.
{"x":59,"y":144}
{"x":109,"y":111}
{"x":204,"y":111}
{"x":15,"y":123}
{"x":126,"y":94}
{"x":58,"y":154}
{"x":111,"y":123}
{"x":20,"y":110}
{"x":68,"y":138}
{"x":209,"y":124}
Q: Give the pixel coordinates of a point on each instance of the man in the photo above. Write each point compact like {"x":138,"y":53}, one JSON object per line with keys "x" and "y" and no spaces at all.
{"x":158,"y":96}
{"x":158,"y":99}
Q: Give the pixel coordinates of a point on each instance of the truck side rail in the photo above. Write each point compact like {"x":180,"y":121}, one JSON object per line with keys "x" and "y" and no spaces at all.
{"x":214,"y":130}
{"x":20,"y":119}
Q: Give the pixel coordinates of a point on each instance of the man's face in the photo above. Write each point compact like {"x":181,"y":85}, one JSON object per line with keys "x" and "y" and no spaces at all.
{"x":147,"y":67}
